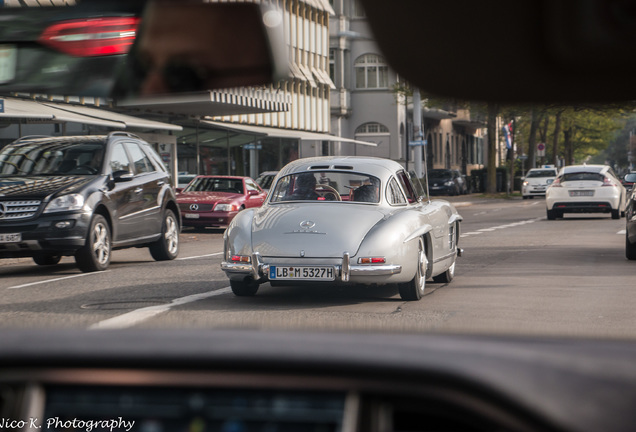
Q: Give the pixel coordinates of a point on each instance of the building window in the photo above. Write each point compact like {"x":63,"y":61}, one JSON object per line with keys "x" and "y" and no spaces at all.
{"x":332,"y":65}
{"x":371,"y":128}
{"x":371,"y":72}
{"x":357,"y":10}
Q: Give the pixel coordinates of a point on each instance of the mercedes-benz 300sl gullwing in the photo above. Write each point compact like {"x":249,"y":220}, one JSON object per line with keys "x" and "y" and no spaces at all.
{"x":345,"y":220}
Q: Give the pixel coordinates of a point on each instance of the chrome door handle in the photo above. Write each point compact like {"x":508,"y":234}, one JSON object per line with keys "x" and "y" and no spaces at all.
{"x":138,"y":190}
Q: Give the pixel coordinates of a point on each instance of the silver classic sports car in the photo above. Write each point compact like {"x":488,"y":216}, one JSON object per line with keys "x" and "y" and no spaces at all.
{"x":354,"y":220}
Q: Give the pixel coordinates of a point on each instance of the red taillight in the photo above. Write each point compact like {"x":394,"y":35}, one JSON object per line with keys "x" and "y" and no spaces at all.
{"x":556,"y":183}
{"x":372,"y":260}
{"x":91,"y":37}
{"x":239,"y":258}
{"x":607,"y":182}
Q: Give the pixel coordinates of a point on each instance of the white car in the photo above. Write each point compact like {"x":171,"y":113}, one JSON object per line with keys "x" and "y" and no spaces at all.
{"x":537,"y":181}
{"x":586,"y":189}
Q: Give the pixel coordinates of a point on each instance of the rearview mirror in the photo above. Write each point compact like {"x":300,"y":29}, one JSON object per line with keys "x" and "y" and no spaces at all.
{"x":117,"y":49}
{"x":188,"y":47}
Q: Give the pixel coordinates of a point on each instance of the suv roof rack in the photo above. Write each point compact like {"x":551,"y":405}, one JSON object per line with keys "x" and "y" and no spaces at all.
{"x":26,"y":137}
{"x":127,"y":134}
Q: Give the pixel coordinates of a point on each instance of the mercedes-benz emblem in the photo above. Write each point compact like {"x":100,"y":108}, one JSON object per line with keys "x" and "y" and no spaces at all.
{"x":307,"y":224}
{"x":194,"y":207}
{"x":3,"y":210}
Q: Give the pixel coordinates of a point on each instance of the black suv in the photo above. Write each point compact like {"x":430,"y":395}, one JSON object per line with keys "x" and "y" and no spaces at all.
{"x":85,"y":196}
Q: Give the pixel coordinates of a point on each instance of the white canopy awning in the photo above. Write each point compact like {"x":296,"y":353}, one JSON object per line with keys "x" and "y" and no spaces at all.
{"x":285,"y":133}
{"x":51,"y":112}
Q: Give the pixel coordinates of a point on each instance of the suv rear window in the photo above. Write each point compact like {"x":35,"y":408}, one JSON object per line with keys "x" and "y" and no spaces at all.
{"x":583,"y":176}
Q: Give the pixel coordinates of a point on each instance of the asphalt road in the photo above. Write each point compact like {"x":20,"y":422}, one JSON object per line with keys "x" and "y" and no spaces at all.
{"x":520,"y":274}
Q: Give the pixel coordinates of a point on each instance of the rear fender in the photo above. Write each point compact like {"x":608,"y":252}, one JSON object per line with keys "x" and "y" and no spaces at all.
{"x":237,"y":238}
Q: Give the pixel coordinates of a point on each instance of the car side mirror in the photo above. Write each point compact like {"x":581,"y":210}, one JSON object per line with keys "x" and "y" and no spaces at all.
{"x":178,"y":190}
{"x":122,"y":176}
{"x":252,"y":192}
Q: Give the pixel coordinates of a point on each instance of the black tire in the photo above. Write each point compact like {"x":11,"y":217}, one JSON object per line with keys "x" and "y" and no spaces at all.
{"x":244,"y":288}
{"x":47,"y":259}
{"x":447,"y":276}
{"x":167,"y":247}
{"x":551,"y":214}
{"x":630,"y":249}
{"x":96,"y":252}
{"x":414,"y":289}
{"x":616,"y":214}
{"x":525,"y":197}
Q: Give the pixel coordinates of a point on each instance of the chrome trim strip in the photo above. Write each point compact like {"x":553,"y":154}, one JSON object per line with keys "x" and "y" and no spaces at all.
{"x":230,"y":267}
{"x":375,"y":270}
{"x":256,"y":265}
{"x":345,"y":271}
{"x":445,"y":257}
{"x":140,"y":212}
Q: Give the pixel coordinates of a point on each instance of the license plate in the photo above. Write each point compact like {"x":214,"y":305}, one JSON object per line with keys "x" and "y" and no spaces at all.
{"x":8,"y":62}
{"x":320,"y":273}
{"x":191,"y":215}
{"x":581,"y":193}
{"x":10,"y":238}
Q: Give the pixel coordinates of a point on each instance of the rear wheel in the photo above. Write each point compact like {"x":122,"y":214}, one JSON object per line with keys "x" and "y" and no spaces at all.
{"x":414,"y":289}
{"x":244,"y":288}
{"x":47,"y":259}
{"x":448,"y":275}
{"x":95,"y":254}
{"x":167,"y":247}
{"x":630,"y":249}
{"x":552,"y":214}
{"x":616,"y":214}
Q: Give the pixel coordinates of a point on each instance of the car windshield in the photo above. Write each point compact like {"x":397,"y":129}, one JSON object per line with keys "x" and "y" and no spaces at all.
{"x":541,"y":258}
{"x":215,"y":184}
{"x":630,"y":177}
{"x":327,"y":186}
{"x":440,"y":174}
{"x":50,"y":158}
{"x":265,"y":181}
{"x":541,"y":173}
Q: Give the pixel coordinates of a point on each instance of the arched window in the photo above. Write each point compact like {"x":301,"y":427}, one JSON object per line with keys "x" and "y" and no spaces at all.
{"x":371,"y":128}
{"x":372,"y":72}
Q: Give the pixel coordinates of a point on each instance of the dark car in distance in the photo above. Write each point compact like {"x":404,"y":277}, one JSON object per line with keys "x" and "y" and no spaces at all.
{"x":628,"y":180}
{"x":213,"y":201}
{"x":446,"y":182}
{"x":630,"y":230}
{"x":84,"y":196}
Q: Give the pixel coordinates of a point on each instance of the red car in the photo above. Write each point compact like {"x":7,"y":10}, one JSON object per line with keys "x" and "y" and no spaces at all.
{"x":213,"y":201}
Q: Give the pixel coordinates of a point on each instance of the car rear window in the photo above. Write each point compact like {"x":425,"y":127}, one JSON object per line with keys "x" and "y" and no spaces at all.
{"x":327,"y":186}
{"x":212,"y":184}
{"x":583,"y":176}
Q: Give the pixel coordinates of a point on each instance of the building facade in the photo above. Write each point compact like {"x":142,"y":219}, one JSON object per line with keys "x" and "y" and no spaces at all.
{"x":370,"y":102}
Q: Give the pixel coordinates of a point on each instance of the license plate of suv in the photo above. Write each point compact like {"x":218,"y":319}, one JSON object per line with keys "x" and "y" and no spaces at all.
{"x":318,"y":273}
{"x":10,"y":238}
{"x":581,"y":193}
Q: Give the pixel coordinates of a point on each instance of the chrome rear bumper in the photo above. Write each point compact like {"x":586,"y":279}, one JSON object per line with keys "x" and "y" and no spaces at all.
{"x":260,"y":271}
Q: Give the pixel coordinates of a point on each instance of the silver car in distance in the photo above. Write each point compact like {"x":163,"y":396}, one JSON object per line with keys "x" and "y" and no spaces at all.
{"x":345,"y":220}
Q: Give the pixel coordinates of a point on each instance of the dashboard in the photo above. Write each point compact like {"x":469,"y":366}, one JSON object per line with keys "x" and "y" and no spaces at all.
{"x":256,"y":380}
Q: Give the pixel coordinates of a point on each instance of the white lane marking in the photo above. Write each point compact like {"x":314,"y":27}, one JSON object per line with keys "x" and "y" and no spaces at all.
{"x":139,"y":315}
{"x":622,"y":232}
{"x":199,"y":256}
{"x":511,"y":225}
{"x":56,"y":279}
{"x":471,"y":233}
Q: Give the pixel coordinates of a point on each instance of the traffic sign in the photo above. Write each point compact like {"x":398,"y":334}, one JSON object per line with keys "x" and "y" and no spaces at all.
{"x":541,"y":149}
{"x":253,"y":146}
{"x":417,"y":143}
